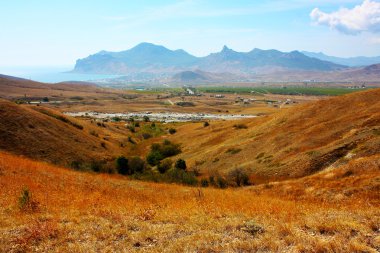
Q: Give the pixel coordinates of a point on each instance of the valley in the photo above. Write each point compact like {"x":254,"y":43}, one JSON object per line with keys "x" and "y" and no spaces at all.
{"x":264,"y":171}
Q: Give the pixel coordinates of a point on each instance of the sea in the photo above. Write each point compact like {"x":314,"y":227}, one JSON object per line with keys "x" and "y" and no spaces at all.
{"x":54,"y":74}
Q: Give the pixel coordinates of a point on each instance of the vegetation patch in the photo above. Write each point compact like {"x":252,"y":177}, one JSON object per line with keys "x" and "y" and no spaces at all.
{"x":61,"y":118}
{"x":240,"y":126}
{"x":291,"y":90}
{"x":160,"y":151}
{"x":185,"y":104}
{"x":233,"y":151}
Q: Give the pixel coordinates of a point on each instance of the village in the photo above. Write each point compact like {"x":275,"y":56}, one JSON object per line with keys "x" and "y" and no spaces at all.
{"x":164,"y":117}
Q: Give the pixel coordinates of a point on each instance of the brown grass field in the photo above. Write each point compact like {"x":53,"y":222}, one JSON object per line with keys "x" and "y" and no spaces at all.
{"x":82,"y":212}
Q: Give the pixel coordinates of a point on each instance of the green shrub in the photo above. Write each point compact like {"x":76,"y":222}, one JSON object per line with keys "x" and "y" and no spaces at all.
{"x":122,"y":165}
{"x":25,"y":201}
{"x":204,"y":182}
{"x":233,"y":151}
{"x":172,"y":131}
{"x":154,"y":157}
{"x":239,"y":177}
{"x":211,"y":179}
{"x":146,"y":118}
{"x":180,"y":164}
{"x":131,"y":140}
{"x":161,"y":151}
{"x":131,"y":128}
{"x":76,"y":165}
{"x":221,"y":182}
{"x":240,"y":126}
{"x":96,"y":166}
{"x":146,"y":136}
{"x":136,"y":164}
{"x":164,"y":165}
{"x":116,"y":119}
{"x":181,"y":176}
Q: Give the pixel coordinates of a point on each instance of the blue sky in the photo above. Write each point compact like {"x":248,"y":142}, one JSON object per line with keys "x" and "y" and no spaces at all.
{"x":48,"y":33}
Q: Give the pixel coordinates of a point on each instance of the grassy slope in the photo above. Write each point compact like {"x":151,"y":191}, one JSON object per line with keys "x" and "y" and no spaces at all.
{"x":27,"y":130}
{"x":82,"y":212}
{"x":292,"y":143}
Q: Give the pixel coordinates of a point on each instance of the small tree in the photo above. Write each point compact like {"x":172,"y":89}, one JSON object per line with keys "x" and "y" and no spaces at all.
{"x":180,"y":164}
{"x":136,"y":164}
{"x":154,"y":157}
{"x":204,"y":182}
{"x":172,"y":131}
{"x":164,"y":165}
{"x":146,"y":118}
{"x":122,"y":165}
{"x":206,"y":124}
{"x":239,"y":177}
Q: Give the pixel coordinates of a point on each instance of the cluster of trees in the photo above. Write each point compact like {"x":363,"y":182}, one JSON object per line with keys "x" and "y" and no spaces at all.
{"x":159,"y":167}
{"x":166,"y":170}
{"x":160,"y":151}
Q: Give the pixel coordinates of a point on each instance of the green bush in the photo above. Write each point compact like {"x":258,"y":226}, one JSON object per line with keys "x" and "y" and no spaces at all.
{"x":164,"y":165}
{"x":146,"y":136}
{"x":136,"y":164}
{"x":146,"y":118}
{"x":161,"y":151}
{"x":76,"y":165}
{"x":116,"y":119}
{"x":181,"y":176}
{"x":122,"y":165}
{"x":233,"y":151}
{"x":96,"y":166}
{"x":221,"y":182}
{"x":131,"y":140}
{"x":204,"y":182}
{"x":131,"y":128}
{"x":240,"y":126}
{"x":239,"y":177}
{"x":26,"y":202}
{"x":180,"y":164}
{"x":154,"y":157}
{"x":172,"y":131}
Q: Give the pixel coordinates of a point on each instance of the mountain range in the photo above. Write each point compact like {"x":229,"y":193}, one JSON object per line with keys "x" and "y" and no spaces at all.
{"x":351,"y":62}
{"x":150,"y":58}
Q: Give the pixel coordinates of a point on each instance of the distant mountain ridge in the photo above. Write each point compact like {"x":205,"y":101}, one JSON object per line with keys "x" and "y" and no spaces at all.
{"x":150,"y":58}
{"x":359,"y":61}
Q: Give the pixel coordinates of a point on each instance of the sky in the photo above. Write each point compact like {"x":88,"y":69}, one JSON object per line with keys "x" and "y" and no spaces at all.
{"x":57,"y":33}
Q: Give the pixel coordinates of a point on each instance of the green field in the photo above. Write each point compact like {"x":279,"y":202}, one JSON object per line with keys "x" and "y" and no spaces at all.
{"x":315,"y":91}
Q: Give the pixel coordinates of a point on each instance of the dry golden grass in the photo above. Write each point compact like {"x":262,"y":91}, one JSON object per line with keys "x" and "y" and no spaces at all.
{"x":291,"y":143}
{"x":82,"y":212}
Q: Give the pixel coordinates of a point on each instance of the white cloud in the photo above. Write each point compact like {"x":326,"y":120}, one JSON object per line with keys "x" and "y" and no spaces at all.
{"x":361,"y":18}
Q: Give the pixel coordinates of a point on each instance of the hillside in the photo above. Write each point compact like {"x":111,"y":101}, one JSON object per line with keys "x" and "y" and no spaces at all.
{"x":150,"y":58}
{"x":292,"y":143}
{"x":47,"y":135}
{"x":45,"y":208}
{"x":13,"y":87}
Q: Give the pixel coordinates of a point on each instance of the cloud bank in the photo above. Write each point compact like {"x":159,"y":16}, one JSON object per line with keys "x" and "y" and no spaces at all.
{"x":361,"y":18}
